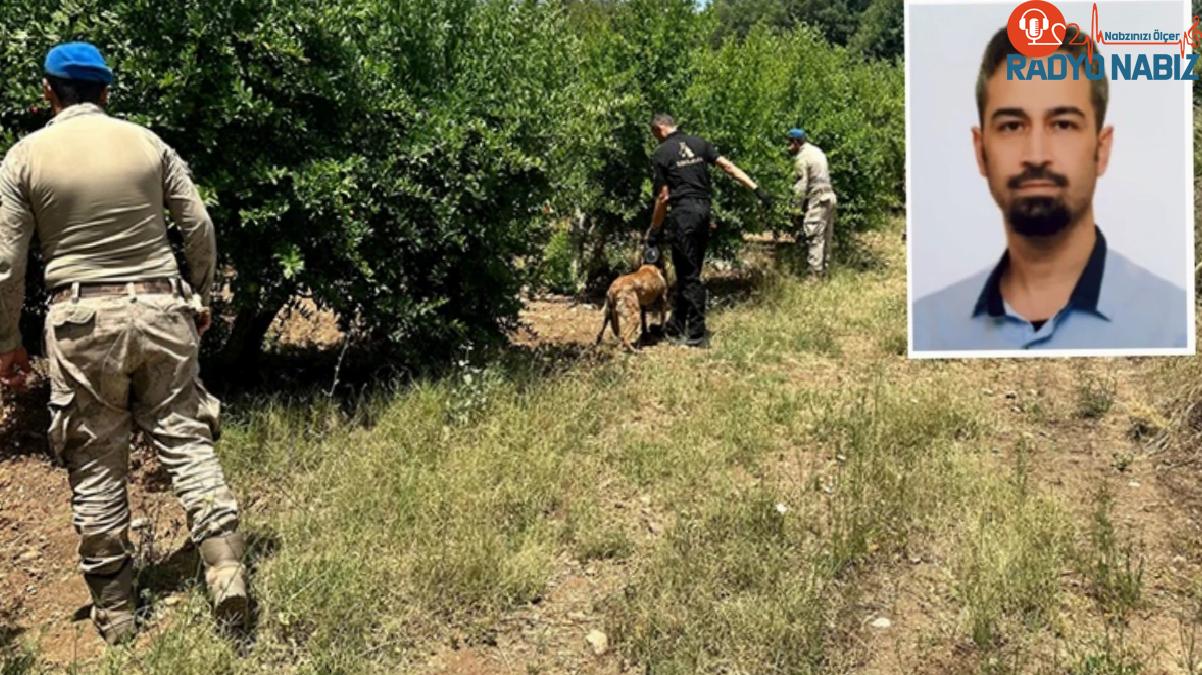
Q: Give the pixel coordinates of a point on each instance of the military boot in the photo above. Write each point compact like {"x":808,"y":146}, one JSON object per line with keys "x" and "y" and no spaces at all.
{"x":113,"y":604}
{"x":225,"y":576}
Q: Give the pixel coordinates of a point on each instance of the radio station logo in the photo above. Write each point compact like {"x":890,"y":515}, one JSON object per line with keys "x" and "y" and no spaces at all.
{"x":1037,"y":29}
{"x":1033,"y":28}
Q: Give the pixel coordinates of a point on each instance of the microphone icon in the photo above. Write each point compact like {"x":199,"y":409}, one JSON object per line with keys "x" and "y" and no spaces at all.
{"x":1034,"y":28}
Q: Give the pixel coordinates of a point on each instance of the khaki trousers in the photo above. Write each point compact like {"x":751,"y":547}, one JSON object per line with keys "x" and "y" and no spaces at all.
{"x":818,"y":227}
{"x":116,"y":362}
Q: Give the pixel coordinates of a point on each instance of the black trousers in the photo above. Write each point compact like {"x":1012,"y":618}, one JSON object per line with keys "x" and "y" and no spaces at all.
{"x":689,"y":228}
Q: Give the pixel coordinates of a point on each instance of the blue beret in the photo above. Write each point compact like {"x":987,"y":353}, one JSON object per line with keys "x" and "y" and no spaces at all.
{"x":797,"y":134}
{"x":78,"y":61}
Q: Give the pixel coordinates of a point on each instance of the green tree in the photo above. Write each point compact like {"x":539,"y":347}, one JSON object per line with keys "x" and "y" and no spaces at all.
{"x":881,"y":33}
{"x":747,"y":93}
{"x":401,"y":162}
{"x":391,"y":160}
{"x":737,"y":17}
{"x":251,"y":94}
{"x":837,"y":20}
{"x":635,"y":59}
{"x":741,"y":94}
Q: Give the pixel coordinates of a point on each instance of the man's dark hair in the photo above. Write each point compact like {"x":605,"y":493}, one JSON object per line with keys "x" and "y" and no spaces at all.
{"x":1000,"y":47}
{"x":663,"y":120}
{"x":72,"y":92}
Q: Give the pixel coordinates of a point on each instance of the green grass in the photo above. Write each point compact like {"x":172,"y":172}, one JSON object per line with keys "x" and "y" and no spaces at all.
{"x":1114,"y":566}
{"x":17,"y":660}
{"x":1095,"y":395}
{"x":1108,"y":654}
{"x":1009,"y":561}
{"x":786,"y":467}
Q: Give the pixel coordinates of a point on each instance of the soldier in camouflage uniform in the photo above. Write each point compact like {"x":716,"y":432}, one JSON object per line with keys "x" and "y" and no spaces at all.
{"x":123,"y":330}
{"x":816,"y":198}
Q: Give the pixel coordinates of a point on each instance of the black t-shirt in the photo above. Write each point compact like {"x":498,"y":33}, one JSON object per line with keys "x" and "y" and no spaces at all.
{"x":682,"y":163}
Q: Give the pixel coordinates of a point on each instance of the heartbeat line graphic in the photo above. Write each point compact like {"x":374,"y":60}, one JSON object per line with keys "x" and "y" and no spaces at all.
{"x":1191,"y":38}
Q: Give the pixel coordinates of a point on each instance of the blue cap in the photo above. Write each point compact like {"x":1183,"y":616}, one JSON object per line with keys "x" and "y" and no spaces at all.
{"x":797,"y":134}
{"x":78,"y":61}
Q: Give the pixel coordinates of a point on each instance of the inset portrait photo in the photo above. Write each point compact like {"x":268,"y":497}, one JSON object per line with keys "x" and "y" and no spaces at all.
{"x":1050,"y":178}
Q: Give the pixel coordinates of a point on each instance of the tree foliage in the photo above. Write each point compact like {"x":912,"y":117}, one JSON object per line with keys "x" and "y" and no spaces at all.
{"x":742,"y":94}
{"x":388,"y":158}
{"x":872,"y":28}
{"x":881,"y":33}
{"x":747,"y":93}
{"x":403,"y":162}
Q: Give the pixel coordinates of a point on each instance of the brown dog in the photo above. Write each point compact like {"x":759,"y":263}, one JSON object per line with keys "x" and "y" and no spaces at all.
{"x":641,"y":291}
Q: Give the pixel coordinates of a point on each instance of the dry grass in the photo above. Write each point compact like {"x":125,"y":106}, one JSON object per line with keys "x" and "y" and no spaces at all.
{"x":741,"y":502}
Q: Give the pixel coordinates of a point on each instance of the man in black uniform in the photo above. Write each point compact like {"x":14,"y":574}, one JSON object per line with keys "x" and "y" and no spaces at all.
{"x":682,"y":193}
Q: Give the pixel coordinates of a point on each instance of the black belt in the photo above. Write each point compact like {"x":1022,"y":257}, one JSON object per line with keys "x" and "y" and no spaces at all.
{"x":89,"y":290}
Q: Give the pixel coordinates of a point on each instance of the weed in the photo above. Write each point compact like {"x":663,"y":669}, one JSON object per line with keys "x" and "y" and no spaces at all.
{"x":1191,"y":649}
{"x":1108,"y":655}
{"x":473,"y":385}
{"x":1122,"y":461}
{"x":17,"y":659}
{"x":1115,"y":569}
{"x":1007,"y":575}
{"x":1095,"y":395}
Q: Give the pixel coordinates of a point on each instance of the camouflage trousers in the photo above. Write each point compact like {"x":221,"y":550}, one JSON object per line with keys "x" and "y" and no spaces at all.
{"x":116,"y":362}
{"x":818,"y":227}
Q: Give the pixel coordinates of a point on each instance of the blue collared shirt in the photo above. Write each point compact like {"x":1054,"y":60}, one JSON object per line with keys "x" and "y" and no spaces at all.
{"x":1116,"y":304}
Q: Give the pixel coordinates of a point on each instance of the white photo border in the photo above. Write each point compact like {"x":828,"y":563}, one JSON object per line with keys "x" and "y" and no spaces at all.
{"x":1018,"y":353}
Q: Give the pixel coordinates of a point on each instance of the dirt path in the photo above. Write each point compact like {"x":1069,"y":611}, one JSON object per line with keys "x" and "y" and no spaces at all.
{"x":1072,"y":457}
{"x":43,"y":599}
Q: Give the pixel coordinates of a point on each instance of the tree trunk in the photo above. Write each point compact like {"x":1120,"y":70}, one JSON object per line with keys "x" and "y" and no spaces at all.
{"x":598,"y":273}
{"x":236,"y":362}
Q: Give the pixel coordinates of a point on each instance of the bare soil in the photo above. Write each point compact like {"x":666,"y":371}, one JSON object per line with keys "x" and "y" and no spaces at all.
{"x":43,"y":599}
{"x":1157,"y":503}
{"x":1072,"y":457}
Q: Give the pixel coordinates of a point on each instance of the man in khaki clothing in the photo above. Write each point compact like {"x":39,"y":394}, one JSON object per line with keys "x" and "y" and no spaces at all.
{"x":816,"y":199}
{"x":123,"y":330}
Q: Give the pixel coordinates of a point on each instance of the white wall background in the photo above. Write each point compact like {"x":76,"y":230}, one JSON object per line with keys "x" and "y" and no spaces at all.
{"x":1142,"y":203}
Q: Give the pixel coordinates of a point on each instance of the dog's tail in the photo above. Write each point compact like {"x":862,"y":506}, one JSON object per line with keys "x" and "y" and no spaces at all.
{"x":606,"y":312}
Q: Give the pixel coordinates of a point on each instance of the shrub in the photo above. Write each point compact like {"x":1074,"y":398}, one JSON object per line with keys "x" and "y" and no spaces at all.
{"x":746,"y":94}
{"x":559,"y":264}
{"x":389,"y":163}
{"x":741,"y":94}
{"x":401,"y":163}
